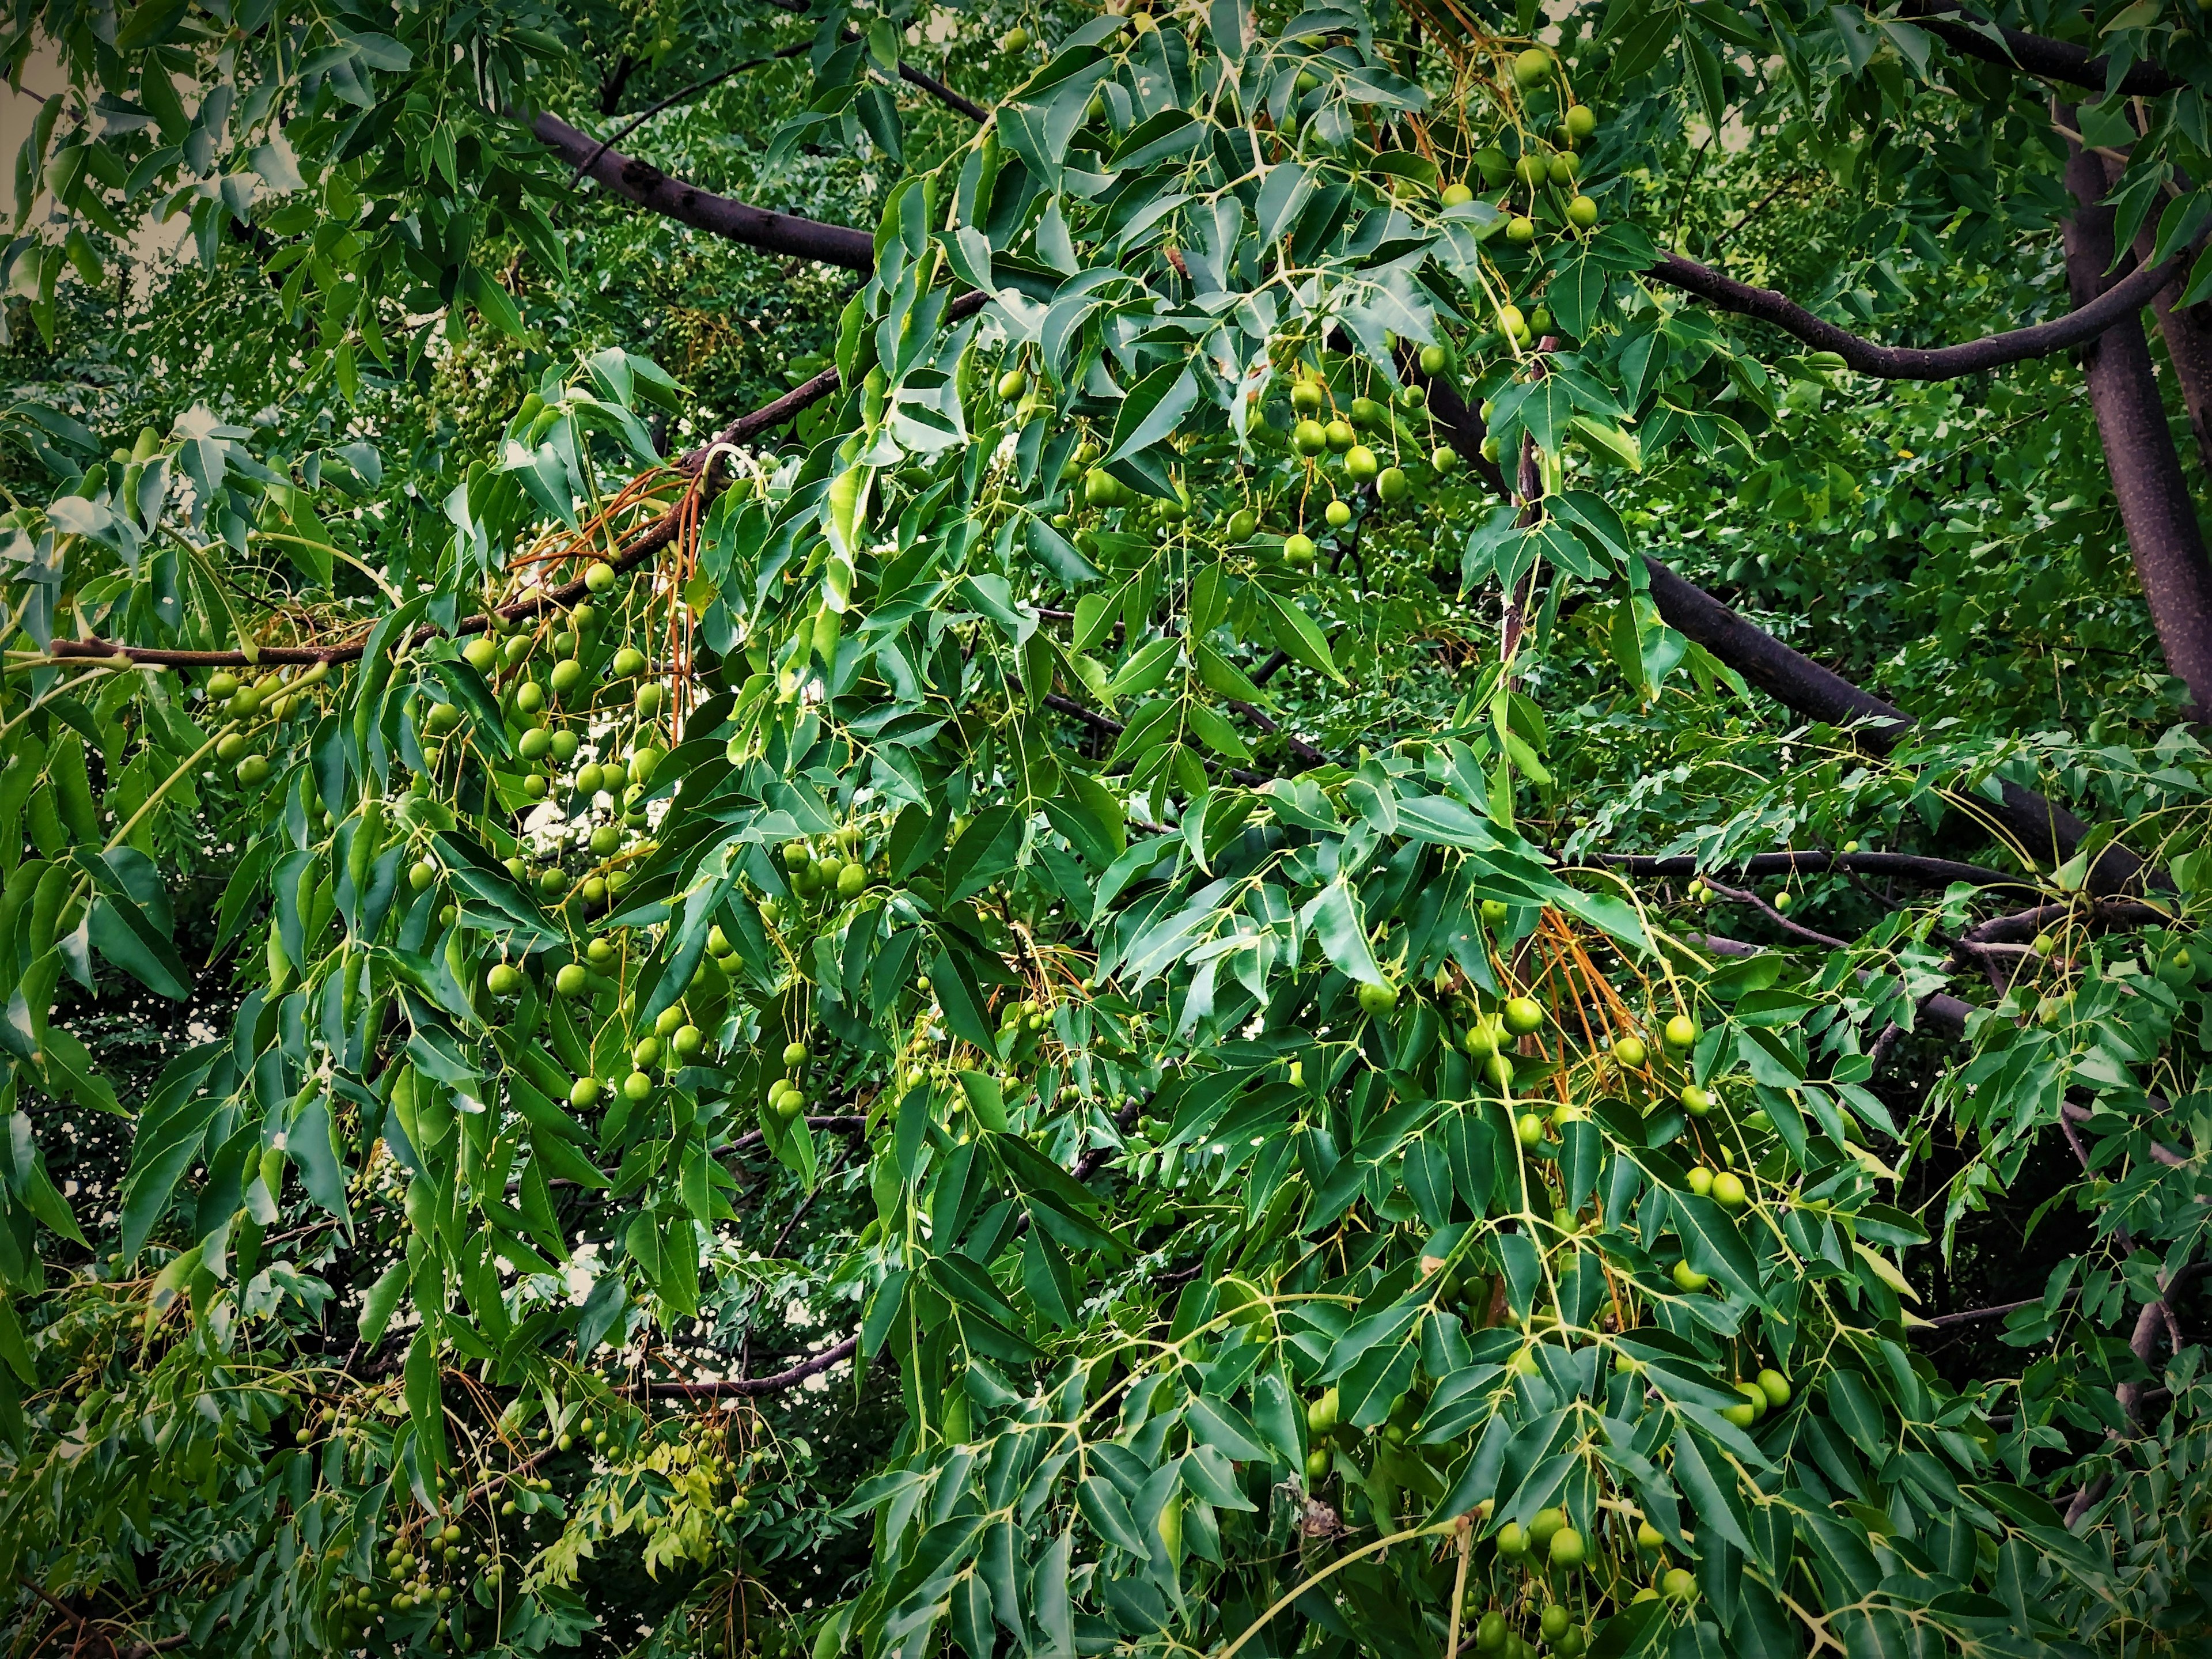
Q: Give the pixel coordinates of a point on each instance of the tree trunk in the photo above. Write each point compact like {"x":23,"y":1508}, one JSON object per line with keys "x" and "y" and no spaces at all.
{"x":2146,"y":471}
{"x":2187,"y":331}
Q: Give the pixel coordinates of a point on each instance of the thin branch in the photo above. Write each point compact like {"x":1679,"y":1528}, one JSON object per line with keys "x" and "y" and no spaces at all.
{"x":691,"y":91}
{"x":1934,"y":870}
{"x":750,"y":1388}
{"x":2122,"y":300}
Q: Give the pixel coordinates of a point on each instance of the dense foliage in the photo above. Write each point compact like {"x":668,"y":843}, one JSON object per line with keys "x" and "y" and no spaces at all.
{"x":1136,"y":973}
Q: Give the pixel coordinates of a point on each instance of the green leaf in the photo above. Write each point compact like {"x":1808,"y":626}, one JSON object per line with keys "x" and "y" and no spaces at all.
{"x":1300,"y":639}
{"x":1333,"y":917}
{"x":1152,"y":409}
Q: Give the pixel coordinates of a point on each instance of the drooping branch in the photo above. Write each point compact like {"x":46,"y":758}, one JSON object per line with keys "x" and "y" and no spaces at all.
{"x":1867,"y":356}
{"x":1909,"y":866}
{"x":687,"y":93}
{"x":1968,"y":35}
{"x":649,"y":187}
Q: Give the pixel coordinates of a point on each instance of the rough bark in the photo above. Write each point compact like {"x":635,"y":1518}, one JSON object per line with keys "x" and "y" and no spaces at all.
{"x":2153,"y":499}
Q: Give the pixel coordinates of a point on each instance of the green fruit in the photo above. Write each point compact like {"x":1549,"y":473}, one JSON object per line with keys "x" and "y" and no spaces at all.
{"x":443,"y":717}
{"x":599,"y":952}
{"x":1512,"y":1541}
{"x":1298,"y":548}
{"x":797,"y":855}
{"x":1540,"y":320}
{"x":1241,"y":524}
{"x":1435,"y":360}
{"x":1681,"y":1033}
{"x":688,"y":1041}
{"x":1391,"y":486}
{"x":585,"y":1092}
{"x":1529,"y":1129}
{"x":1340,"y":437}
{"x":1533,"y":67}
{"x":1687,"y":1278}
{"x":1493,"y":913}
{"x":1582,"y":212}
{"x":421,"y":874}
{"x":1728,"y":1190}
{"x":1566,"y":165}
{"x":1339,"y":515}
{"x":1554,"y":1622}
{"x":1308,"y":437}
{"x":1697,"y":1101}
{"x":221,"y":685}
{"x":1321,"y":1414}
{"x":252,"y":771}
{"x":1568,"y":1550}
{"x":1532,"y":169}
{"x":1545,"y":1527}
{"x":1017,"y":39}
{"x":571,"y":980}
{"x":535,"y":744}
{"x":650,"y":696}
{"x":1367,"y":414}
{"x":1307,"y":398}
{"x":1701,"y":1182}
{"x":852,"y":880}
{"x":1481,"y":1040}
{"x":794,"y":1055}
{"x":606,"y":840}
{"x":627,"y":661}
{"x":1456,"y":195}
{"x":1581,"y":122}
{"x":1520,"y":230}
{"x":567,"y":674}
{"x":1377,"y":999}
{"x":1680,"y":1584}
{"x":552,"y":883}
{"x":1489,"y":1634}
{"x":1523,"y":1015}
{"x":599,"y":576}
{"x":1011,"y":384}
{"x":637,"y":1088}
{"x":1648,"y":1537}
{"x":789,"y":1105}
{"x":1774,"y":1387}
{"x":481,"y":654}
{"x":1318,"y":1465}
{"x":504,"y":979}
{"x":1629,"y":1052}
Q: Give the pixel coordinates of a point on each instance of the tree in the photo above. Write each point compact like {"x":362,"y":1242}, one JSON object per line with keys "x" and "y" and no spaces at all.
{"x":944,"y":872}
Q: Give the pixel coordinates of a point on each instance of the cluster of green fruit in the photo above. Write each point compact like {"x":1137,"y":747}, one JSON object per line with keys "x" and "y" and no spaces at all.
{"x":420,"y":1574}
{"x":272,"y":697}
{"x":1540,"y":167}
{"x":839,"y":870}
{"x":1556,"y":1628}
{"x":786,"y":1098}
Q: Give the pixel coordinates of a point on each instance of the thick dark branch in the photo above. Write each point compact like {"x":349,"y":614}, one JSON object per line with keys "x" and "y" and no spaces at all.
{"x":2075,"y":328}
{"x":1911,"y":866}
{"x":649,"y":187}
{"x":2054,"y":60}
